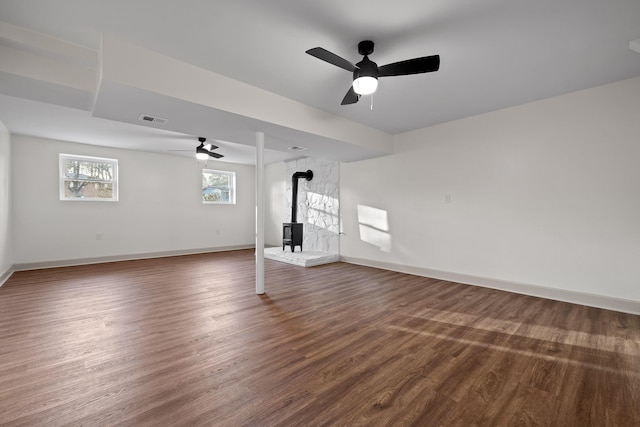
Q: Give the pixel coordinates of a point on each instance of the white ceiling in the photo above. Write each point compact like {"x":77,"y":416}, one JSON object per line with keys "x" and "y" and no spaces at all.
{"x":494,"y":54}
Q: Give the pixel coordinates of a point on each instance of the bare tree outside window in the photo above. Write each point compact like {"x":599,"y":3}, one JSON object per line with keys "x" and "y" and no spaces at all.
{"x":88,"y":178}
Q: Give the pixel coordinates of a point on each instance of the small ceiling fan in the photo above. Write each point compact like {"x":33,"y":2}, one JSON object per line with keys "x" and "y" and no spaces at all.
{"x":203,"y":152}
{"x":366,"y":72}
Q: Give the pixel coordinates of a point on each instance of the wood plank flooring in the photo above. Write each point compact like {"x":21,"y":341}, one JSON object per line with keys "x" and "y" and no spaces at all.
{"x":186,"y":341}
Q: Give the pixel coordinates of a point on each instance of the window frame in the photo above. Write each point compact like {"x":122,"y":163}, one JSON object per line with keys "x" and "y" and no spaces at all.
{"x":62,"y":178}
{"x":232,"y":186}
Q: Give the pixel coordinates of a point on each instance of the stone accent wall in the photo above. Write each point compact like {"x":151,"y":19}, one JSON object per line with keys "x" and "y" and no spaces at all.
{"x":318,"y":203}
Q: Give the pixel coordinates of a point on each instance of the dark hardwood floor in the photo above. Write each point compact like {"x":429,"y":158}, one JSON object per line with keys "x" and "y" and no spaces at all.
{"x":186,"y":341}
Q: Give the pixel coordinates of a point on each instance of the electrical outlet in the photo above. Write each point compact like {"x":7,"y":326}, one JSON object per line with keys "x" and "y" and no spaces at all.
{"x":447,"y":198}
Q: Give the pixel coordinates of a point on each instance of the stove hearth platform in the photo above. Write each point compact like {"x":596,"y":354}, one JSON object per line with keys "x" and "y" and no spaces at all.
{"x":302,"y":259}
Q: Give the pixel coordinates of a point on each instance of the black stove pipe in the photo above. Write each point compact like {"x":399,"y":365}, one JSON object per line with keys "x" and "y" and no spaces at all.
{"x":308,"y":175}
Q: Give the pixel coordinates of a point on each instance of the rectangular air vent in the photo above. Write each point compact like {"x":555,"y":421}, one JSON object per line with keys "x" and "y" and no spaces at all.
{"x":151,"y":119}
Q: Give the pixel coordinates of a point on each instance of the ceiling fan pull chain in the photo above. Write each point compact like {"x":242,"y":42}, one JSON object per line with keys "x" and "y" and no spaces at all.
{"x":371,"y":102}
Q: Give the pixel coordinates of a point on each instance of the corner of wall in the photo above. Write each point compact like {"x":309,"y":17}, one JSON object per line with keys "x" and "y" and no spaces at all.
{"x":275,"y":188}
{"x":6,"y":235}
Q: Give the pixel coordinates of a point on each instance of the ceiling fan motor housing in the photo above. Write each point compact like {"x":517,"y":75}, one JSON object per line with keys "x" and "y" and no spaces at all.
{"x":366,"y":68}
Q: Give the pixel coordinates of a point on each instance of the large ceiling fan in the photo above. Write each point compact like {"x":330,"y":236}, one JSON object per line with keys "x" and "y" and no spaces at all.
{"x":366,"y":72}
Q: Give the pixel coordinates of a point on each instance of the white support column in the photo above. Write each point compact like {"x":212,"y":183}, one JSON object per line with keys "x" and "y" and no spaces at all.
{"x":259,"y":213}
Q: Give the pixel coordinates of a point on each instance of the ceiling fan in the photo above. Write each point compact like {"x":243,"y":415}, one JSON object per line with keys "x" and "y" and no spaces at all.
{"x":366,"y":72}
{"x":203,"y":152}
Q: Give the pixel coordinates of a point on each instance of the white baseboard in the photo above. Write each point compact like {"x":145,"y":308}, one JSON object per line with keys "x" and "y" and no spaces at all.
{"x":6,"y":275}
{"x":129,"y":257}
{"x":592,"y":300}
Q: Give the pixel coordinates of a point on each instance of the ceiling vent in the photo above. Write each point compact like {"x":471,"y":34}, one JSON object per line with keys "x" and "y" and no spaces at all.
{"x":151,"y":119}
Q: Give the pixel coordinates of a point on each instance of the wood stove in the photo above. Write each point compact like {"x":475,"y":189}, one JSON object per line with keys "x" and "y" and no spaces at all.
{"x":292,"y":235}
{"x":292,"y":231}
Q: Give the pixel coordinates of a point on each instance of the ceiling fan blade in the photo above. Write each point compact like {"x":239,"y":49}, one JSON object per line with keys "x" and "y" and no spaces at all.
{"x":332,"y":58}
{"x":216,"y":155}
{"x":425,"y":64}
{"x":351,"y":97}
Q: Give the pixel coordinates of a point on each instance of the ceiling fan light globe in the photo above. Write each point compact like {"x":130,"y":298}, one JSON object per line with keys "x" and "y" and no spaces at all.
{"x":202,"y":156}
{"x":365,"y":85}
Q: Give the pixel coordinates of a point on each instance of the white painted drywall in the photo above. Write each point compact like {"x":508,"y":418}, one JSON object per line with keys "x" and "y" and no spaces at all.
{"x":160,"y":207}
{"x":546,"y":193}
{"x":6,"y":246}
{"x":275,"y":202}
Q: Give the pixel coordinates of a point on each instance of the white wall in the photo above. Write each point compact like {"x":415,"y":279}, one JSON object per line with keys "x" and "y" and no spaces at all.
{"x":275,"y":202}
{"x":159,"y":210}
{"x":6,"y":257}
{"x":546,"y":194}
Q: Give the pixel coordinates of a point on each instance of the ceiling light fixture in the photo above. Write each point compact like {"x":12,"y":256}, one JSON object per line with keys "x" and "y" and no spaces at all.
{"x":201,"y":155}
{"x":365,"y":85}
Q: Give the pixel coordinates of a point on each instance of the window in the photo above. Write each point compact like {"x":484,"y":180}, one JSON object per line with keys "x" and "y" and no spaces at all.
{"x":218,"y":187}
{"x":88,"y":178}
